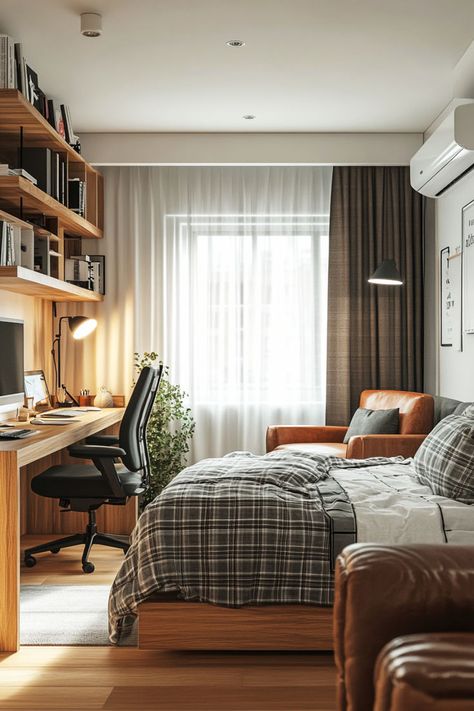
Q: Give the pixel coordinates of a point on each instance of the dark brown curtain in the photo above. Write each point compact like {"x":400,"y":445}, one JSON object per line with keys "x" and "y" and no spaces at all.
{"x":375,"y":333}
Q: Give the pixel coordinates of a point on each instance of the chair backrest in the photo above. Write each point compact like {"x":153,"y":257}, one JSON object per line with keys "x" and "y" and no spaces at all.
{"x":416,"y":409}
{"x":132,"y":437}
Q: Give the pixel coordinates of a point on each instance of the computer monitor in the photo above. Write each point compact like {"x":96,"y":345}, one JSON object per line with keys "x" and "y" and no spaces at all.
{"x":11,"y":362}
{"x":36,"y":387}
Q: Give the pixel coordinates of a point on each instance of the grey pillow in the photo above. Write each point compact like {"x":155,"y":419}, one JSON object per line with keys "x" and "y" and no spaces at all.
{"x":373,"y":422}
{"x":445,"y":460}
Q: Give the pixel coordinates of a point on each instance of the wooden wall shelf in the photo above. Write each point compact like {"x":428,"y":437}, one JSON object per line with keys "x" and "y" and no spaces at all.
{"x":16,"y":111}
{"x":27,"y":281}
{"x":13,"y":189}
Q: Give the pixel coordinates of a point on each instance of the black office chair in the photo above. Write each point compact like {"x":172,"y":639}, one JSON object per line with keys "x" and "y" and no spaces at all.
{"x":86,"y":487}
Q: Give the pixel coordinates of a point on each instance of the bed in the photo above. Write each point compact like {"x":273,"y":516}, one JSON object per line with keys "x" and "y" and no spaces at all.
{"x":239,"y":552}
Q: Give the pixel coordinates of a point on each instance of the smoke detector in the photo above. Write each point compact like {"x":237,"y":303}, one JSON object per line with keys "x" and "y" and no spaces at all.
{"x":91,"y":24}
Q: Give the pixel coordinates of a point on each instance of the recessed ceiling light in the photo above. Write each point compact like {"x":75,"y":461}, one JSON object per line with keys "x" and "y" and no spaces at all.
{"x":235,"y":43}
{"x":249,"y":117}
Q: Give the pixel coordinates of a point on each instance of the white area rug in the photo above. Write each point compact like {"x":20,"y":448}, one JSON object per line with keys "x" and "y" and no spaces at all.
{"x":65,"y":615}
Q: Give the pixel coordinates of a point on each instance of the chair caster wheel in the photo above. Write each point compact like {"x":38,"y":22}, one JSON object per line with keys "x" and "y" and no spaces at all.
{"x":30,"y":561}
{"x":55,"y":550}
{"x":88,"y":567}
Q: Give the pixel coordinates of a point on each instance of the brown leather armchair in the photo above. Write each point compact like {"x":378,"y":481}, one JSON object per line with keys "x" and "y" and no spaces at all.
{"x":416,"y":421}
{"x":404,"y":628}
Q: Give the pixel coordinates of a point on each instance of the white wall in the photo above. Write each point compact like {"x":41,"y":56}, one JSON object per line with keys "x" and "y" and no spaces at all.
{"x":455,"y":369}
{"x":250,"y":148}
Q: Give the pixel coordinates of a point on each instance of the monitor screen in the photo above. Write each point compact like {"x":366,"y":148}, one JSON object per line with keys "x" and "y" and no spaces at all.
{"x":37,"y":388}
{"x":11,"y":361}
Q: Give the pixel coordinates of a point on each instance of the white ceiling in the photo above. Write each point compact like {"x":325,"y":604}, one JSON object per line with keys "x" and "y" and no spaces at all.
{"x":308,"y":65}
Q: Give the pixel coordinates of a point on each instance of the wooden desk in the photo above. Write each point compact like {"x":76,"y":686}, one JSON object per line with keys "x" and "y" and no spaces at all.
{"x":13,"y":456}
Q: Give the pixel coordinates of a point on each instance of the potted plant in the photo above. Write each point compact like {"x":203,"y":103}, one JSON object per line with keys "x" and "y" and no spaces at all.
{"x":170,"y":430}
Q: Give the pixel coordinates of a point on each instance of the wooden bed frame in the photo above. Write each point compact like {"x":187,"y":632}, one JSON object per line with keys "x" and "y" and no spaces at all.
{"x":167,"y":623}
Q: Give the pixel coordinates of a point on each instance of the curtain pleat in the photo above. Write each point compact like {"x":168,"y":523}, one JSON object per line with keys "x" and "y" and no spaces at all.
{"x":375,"y":333}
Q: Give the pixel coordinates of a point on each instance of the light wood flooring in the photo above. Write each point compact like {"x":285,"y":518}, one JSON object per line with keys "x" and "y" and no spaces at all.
{"x":113,"y":679}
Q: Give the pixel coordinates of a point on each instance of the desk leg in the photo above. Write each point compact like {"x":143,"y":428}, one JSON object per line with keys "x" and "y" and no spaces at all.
{"x":9,"y":552}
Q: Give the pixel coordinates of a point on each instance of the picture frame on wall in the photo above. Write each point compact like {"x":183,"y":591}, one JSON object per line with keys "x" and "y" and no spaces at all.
{"x":447,"y":301}
{"x":468,"y":267}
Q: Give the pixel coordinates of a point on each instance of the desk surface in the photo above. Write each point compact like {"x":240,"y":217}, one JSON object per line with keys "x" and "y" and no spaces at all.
{"x":51,"y":438}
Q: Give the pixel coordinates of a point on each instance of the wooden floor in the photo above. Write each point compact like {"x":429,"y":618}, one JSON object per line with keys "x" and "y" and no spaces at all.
{"x":79,"y":678}
{"x":65,"y":567}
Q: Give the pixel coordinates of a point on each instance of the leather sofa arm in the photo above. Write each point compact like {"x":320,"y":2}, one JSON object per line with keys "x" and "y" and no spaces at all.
{"x":364,"y":446}
{"x":385,"y":591}
{"x":426,"y":671}
{"x":291,"y":434}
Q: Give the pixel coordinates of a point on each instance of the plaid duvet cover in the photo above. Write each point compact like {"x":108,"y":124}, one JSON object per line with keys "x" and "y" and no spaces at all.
{"x":238,"y":530}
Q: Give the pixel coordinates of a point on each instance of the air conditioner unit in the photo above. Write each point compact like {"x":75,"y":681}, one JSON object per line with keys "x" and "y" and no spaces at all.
{"x":447,"y":154}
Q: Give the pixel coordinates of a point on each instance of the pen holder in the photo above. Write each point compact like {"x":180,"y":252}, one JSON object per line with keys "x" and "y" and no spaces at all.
{"x":84,"y":400}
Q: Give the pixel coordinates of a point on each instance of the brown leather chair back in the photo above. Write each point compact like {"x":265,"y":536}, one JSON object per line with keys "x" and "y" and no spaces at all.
{"x":416,"y":409}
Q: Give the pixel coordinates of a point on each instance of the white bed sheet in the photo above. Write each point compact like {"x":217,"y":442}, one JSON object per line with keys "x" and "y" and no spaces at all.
{"x":391,"y":507}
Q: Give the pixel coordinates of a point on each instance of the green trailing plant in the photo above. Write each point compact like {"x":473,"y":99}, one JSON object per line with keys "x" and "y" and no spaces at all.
{"x":170,"y":430}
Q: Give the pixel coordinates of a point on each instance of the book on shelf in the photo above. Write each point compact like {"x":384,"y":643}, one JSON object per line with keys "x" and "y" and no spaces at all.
{"x":55,"y":117}
{"x":77,"y":196}
{"x":66,"y":114}
{"x":7,"y":245}
{"x":8,"y":74}
{"x":20,"y":69}
{"x":78,"y":269}
{"x":86,"y":271}
{"x":37,"y":161}
{"x":49,"y":169}
{"x":16,"y":245}
{"x":98,"y":264}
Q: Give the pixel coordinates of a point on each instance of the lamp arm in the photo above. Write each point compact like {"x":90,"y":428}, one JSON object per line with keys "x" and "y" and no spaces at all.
{"x":57,"y":341}
{"x":71,"y":397}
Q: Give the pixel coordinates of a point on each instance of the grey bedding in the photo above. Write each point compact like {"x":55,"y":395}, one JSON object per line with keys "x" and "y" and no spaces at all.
{"x":242,"y":529}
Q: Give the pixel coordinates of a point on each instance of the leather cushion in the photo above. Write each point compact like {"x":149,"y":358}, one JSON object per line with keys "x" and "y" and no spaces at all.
{"x":445,"y":460}
{"x":438,"y":666}
{"x":366,"y":421}
{"x":331,"y":449}
{"x":81,"y":481}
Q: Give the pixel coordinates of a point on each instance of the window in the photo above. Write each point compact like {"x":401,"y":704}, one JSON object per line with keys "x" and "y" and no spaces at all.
{"x":250,"y":300}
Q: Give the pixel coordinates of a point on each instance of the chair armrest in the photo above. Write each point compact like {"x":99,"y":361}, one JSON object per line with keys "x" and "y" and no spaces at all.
{"x":423,"y":670}
{"x":364,"y":446}
{"x":291,"y":434}
{"x":107,"y":440}
{"x":95,"y":451}
{"x":382,"y":592}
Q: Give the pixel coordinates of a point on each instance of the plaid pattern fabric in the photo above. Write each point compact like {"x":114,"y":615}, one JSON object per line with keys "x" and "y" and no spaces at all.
{"x":242,"y":529}
{"x":445,"y":460}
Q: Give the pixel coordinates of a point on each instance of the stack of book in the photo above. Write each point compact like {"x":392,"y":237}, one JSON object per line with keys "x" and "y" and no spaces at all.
{"x":7,"y":245}
{"x":16,"y":73}
{"x":6,"y":170}
{"x":87,"y":271}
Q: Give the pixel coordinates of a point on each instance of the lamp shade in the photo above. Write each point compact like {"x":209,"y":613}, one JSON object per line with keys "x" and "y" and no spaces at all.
{"x":386,"y":273}
{"x":81,"y":326}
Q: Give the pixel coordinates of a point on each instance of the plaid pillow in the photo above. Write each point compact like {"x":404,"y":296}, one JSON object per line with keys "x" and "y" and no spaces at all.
{"x":445,"y":460}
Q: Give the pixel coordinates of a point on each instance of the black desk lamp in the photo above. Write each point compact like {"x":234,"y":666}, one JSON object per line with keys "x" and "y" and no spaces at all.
{"x":80,"y":327}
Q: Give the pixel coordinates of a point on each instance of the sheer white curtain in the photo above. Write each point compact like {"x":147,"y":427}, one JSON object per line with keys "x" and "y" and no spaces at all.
{"x":223,"y":271}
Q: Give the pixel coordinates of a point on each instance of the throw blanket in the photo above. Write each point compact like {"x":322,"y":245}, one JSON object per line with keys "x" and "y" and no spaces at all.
{"x":239,"y":530}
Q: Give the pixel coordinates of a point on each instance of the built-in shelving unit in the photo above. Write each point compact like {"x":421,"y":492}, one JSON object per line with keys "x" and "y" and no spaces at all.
{"x":21,"y":196}
{"x":26,"y":281}
{"x":24,"y":204}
